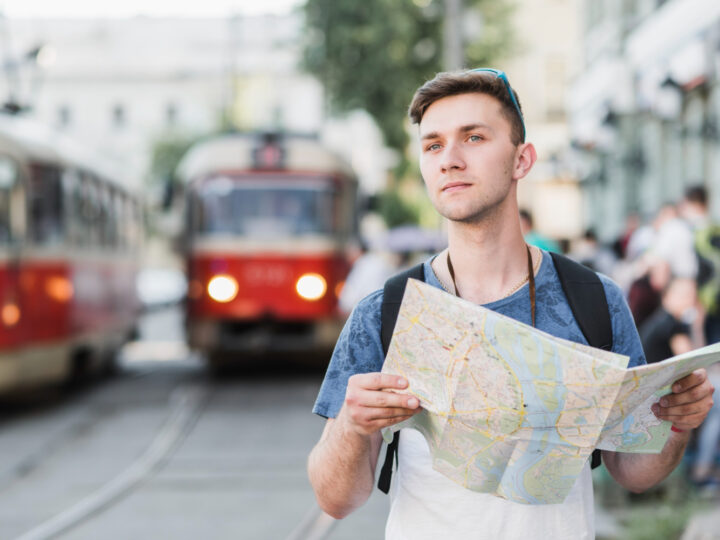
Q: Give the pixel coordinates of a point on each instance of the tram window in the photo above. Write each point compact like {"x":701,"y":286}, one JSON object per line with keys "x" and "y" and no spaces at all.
{"x":132,"y":222}
{"x":120,"y":219}
{"x":112,"y":220}
{"x":227,"y":207}
{"x":104,"y":218}
{"x":89,"y":214}
{"x":8,"y":175}
{"x":94,"y":216}
{"x":71,"y":194}
{"x":46,"y":205}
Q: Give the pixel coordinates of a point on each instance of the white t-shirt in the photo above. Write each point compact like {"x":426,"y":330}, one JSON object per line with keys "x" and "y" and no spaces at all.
{"x":427,"y":505}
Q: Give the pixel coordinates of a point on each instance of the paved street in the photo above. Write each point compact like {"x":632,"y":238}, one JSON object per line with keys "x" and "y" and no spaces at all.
{"x":165,"y":450}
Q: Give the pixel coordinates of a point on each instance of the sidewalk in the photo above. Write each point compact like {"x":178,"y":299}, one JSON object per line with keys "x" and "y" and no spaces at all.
{"x":705,"y":525}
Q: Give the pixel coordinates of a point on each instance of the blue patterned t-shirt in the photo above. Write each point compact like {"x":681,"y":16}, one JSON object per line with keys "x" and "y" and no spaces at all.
{"x":359,"y":350}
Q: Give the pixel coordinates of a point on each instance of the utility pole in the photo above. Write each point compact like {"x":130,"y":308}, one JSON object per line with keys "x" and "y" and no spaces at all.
{"x":454,"y":57}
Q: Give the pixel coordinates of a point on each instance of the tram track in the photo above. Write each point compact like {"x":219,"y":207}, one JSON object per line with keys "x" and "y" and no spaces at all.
{"x":186,"y":405}
{"x":83,"y":420}
{"x":34,"y":459}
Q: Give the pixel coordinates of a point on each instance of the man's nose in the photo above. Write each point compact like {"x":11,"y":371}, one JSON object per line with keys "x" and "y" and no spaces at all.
{"x":451,"y":159}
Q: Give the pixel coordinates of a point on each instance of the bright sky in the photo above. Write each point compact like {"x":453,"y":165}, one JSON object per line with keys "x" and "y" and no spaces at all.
{"x":152,"y":8}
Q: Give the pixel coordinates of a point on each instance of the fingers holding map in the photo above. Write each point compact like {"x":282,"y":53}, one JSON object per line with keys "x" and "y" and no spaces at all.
{"x":516,"y":412}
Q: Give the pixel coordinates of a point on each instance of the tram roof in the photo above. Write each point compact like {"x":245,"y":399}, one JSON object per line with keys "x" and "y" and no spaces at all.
{"x":235,"y":152}
{"x":26,"y":139}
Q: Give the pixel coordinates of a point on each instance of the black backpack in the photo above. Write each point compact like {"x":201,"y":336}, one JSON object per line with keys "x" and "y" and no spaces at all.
{"x":586,"y":298}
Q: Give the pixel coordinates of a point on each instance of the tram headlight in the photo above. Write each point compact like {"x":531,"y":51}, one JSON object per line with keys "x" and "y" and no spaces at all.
{"x":10,"y":314}
{"x":311,"y":286}
{"x":222,"y":288}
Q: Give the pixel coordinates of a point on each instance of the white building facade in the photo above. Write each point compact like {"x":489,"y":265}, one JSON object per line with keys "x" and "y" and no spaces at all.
{"x":120,"y":85}
{"x":645,"y":110}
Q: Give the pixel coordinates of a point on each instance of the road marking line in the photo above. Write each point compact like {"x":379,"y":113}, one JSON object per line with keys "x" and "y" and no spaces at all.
{"x":186,"y":403}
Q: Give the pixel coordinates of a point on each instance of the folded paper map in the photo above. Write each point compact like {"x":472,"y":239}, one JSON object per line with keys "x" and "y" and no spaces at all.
{"x":516,"y":412}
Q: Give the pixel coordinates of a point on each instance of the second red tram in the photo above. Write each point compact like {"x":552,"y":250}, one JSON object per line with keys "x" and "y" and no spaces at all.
{"x":271,"y":224}
{"x":69,"y":239}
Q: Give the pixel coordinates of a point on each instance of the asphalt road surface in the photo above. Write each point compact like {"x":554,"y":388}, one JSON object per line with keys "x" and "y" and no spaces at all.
{"x":164,"y":450}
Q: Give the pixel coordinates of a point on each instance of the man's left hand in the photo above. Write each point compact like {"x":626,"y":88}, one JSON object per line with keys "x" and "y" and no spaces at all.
{"x":688,"y":403}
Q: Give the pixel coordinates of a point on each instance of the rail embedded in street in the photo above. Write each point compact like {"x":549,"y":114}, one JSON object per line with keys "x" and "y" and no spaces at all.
{"x":186,"y":404}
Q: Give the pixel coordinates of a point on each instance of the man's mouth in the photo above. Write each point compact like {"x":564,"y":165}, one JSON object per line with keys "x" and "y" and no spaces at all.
{"x":454,"y":186}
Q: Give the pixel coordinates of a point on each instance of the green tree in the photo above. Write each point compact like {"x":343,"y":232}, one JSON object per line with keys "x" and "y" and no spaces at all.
{"x":373,"y":54}
{"x":167,"y":151}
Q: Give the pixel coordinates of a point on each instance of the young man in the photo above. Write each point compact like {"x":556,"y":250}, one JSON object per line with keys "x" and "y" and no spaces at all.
{"x":473,"y":155}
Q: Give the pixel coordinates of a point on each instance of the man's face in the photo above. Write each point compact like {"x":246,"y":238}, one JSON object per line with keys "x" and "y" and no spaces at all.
{"x":467,"y":157}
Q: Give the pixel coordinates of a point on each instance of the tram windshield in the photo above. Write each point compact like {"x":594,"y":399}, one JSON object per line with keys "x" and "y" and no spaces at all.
{"x":7,"y":183}
{"x":269,"y":209}
{"x":4,"y":215}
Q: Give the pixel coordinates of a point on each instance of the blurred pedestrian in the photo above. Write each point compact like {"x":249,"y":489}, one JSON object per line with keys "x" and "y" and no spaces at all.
{"x":645,"y":293}
{"x":368,"y":273}
{"x":534,"y":238}
{"x":694,"y":210}
{"x":673,"y":328}
{"x":706,"y":458}
{"x":632,"y":223}
{"x":674,"y":242}
{"x":589,"y":251}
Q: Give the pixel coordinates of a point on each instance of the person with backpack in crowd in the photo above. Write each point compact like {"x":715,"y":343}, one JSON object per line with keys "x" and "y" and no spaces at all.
{"x":675,"y":327}
{"x":473,"y":154}
{"x":645,"y":293}
{"x":695,"y":210}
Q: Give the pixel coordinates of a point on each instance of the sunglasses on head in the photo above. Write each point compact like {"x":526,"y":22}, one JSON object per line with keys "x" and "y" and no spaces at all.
{"x":501,"y":75}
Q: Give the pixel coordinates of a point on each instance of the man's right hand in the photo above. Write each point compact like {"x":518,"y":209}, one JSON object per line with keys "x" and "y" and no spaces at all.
{"x":371,"y":404}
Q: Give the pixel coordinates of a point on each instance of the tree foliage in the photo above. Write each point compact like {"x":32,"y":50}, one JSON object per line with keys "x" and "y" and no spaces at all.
{"x":167,"y":151}
{"x":373,"y":54}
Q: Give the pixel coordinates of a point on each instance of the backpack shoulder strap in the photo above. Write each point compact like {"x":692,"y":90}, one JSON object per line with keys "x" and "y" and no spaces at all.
{"x":586,"y":297}
{"x":392,"y":298}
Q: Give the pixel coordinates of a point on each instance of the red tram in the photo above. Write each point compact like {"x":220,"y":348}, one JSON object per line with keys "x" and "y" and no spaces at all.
{"x":271,"y":222}
{"x":69,"y":238}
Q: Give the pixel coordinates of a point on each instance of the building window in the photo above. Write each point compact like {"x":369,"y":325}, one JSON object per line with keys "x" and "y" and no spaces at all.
{"x":119,"y":116}
{"x":64,"y":116}
{"x":171,"y":115}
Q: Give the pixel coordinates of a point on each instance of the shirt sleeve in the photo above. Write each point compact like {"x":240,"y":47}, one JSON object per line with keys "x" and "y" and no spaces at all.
{"x":679,"y":328}
{"x":358,"y":350}
{"x":625,"y":335}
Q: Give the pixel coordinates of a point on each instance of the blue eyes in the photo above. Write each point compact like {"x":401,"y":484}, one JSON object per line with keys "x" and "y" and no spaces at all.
{"x":471,"y":138}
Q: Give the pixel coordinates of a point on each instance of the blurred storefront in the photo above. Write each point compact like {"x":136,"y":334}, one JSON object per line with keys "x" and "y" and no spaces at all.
{"x":645,"y":107}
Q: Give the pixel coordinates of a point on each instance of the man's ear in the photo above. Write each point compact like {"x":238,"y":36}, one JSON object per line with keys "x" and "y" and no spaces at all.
{"x":525,"y":158}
